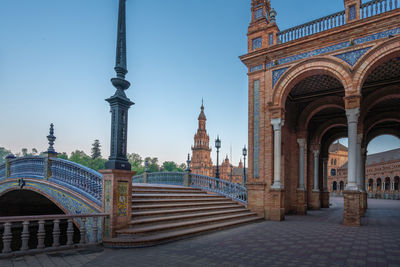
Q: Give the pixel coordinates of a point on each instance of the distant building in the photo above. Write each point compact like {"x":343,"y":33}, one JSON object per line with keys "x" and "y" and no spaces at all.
{"x":201,"y":156}
{"x":382,"y":174}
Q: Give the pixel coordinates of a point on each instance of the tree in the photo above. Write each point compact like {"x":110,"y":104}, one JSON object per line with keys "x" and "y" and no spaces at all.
{"x":136,"y":162}
{"x":153,"y":164}
{"x":24,"y":152}
{"x":34,"y":151}
{"x":3,"y":154}
{"x":96,"y":151}
{"x":62,"y":155}
{"x":80,"y":157}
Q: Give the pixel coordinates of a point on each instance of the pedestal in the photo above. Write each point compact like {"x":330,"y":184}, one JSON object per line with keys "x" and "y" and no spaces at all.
{"x":363,"y":203}
{"x":301,"y":202}
{"x":255,"y":198}
{"x":351,"y":216}
{"x":275,"y":205}
{"x":315,"y":203}
{"x":325,"y":200}
{"x":117,"y":199}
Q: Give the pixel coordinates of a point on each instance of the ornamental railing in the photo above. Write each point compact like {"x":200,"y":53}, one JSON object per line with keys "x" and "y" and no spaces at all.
{"x":27,"y":167}
{"x":79,"y":178}
{"x":312,"y":27}
{"x":35,"y":235}
{"x":231,"y":190}
{"x":71,"y":175}
{"x":377,"y":7}
{"x":234,"y":191}
{"x":368,"y":9}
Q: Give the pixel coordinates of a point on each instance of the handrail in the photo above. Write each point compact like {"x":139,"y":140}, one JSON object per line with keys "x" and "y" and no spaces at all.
{"x":89,"y":230}
{"x":2,"y":171}
{"x":368,"y":9}
{"x":29,"y":167}
{"x":172,"y":178}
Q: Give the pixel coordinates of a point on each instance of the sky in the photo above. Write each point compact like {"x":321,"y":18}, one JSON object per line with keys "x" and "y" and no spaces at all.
{"x":57,"y":59}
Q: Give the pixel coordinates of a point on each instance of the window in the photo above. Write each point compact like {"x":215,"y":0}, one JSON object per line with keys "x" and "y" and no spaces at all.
{"x":334,"y":162}
{"x":271,"y":39}
{"x":258,"y":13}
{"x":352,"y":12}
{"x":333,"y":172}
{"x":257,"y":43}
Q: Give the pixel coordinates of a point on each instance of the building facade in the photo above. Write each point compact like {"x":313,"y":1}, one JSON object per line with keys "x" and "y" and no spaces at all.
{"x":310,"y":85}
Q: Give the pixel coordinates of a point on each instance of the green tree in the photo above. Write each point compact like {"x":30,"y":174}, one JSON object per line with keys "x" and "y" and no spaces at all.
{"x":136,"y":162}
{"x":170,"y":166}
{"x":3,"y":154}
{"x":96,"y":151}
{"x":34,"y":151}
{"x":80,"y":157}
{"x":24,"y":152}
{"x":62,"y":155}
{"x":153,"y":164}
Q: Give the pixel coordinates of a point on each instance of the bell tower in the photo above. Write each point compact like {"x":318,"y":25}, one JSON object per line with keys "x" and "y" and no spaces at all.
{"x":201,"y":151}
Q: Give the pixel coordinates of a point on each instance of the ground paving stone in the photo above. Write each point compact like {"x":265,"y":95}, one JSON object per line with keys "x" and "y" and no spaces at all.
{"x":318,"y":239}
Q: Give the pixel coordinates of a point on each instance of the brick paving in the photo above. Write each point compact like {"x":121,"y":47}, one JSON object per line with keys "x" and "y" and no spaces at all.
{"x":317,"y":239}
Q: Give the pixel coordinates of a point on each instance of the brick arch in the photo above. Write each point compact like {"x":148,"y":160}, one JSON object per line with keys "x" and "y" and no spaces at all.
{"x":325,"y":146}
{"x":378,"y":96}
{"x":315,"y":107}
{"x":377,"y":132}
{"x":379,"y":118}
{"x":373,"y":58}
{"x":323,"y":128}
{"x":314,"y":66}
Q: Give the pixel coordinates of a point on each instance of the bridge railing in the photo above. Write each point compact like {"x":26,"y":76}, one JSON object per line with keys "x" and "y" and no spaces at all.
{"x":368,"y":9}
{"x":79,"y":178}
{"x":71,"y":175}
{"x":10,"y":240}
{"x":28,"y":167}
{"x":234,"y":191}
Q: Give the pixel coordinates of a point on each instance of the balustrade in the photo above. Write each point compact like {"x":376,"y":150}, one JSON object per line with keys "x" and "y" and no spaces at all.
{"x":377,"y":7}
{"x":32,"y":221}
{"x":2,"y":171}
{"x":172,"y":178}
{"x":27,"y":167}
{"x":138,"y":179}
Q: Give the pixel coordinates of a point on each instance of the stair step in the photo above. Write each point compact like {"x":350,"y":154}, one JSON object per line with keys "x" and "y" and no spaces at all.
{"x":170,"y":195}
{"x":151,"y":240}
{"x":174,"y":200}
{"x":185,"y":217}
{"x":165,"y":191}
{"x":180,"y":205}
{"x":180,"y":211}
{"x":156,"y":186}
{"x":168,"y":226}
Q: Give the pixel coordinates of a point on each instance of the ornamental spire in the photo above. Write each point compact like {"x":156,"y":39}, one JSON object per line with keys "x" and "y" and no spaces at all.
{"x":120,"y":61}
{"x":51,"y":138}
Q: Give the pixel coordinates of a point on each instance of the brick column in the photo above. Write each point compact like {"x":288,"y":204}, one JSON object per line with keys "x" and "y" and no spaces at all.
{"x":351,"y":216}
{"x":117,"y":199}
{"x":275,"y":209}
{"x":352,"y":9}
{"x":256,"y":198}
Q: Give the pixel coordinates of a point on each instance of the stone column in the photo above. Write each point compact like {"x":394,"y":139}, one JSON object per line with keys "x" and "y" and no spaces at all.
{"x":277,"y":124}
{"x":352,"y":195}
{"x":352,"y":120}
{"x":359,"y":163}
{"x":316,"y":196}
{"x":301,"y":192}
{"x":325,"y":193}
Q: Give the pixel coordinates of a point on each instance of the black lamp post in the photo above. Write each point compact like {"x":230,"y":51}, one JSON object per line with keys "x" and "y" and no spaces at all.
{"x":217,"y":146}
{"x":231,"y":173}
{"x":244,"y":169}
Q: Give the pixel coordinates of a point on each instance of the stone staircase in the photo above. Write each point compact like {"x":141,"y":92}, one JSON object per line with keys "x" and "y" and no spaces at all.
{"x":162,"y":213}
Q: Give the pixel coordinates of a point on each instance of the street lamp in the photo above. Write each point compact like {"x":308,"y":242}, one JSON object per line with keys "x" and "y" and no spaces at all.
{"x":217,"y":146}
{"x":244,"y":169}
{"x":231,"y":172}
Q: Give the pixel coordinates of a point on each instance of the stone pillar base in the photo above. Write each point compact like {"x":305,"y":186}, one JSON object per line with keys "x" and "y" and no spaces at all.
{"x":363,"y":203}
{"x":301,"y":202}
{"x":315,"y":203}
{"x":255,"y":198}
{"x":351,"y":216}
{"x":117,"y":199}
{"x":275,"y":205}
{"x":325,"y":200}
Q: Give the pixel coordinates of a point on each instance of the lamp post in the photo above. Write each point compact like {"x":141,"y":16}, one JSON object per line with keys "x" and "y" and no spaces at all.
{"x":231,"y":173}
{"x":217,"y":146}
{"x":244,"y":166}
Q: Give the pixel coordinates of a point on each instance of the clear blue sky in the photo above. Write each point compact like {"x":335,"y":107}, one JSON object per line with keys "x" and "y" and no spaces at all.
{"x":57,"y":57}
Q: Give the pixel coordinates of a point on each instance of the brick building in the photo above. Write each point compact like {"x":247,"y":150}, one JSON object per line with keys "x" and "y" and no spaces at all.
{"x":382,"y":172}
{"x":334,"y":77}
{"x":201,"y":156}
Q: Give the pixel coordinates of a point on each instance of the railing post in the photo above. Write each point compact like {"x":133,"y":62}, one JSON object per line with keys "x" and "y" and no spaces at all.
{"x":352,"y":9}
{"x":145,"y":179}
{"x":95,"y":230}
{"x":82,"y":230}
{"x":25,"y":236}
{"x":8,"y":165}
{"x":187,"y":177}
{"x":56,"y":233}
{"x":47,"y":163}
{"x":70,"y":233}
{"x":117,"y":199}
{"x":41,"y":235}
{"x":7,"y":237}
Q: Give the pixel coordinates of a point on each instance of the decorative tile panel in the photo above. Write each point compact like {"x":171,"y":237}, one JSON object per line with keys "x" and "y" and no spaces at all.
{"x":256,"y":68}
{"x":271,"y":39}
{"x":256,"y":43}
{"x":122,"y":201}
{"x":352,"y":57}
{"x":335,"y":47}
{"x":276,"y":74}
{"x":256,"y":124}
{"x":258,"y":13}
{"x":352,"y":12}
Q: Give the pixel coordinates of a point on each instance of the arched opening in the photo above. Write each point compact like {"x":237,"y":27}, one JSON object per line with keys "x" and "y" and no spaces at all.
{"x":370,"y":185}
{"x":378,"y":184}
{"x":387,"y":183}
{"x":334,"y":186}
{"x":341,"y":185}
{"x":396,"y":183}
{"x":28,"y":203}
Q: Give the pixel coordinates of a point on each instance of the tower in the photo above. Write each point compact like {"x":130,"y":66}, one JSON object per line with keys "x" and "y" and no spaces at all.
{"x":119,"y":103}
{"x":201,"y":151}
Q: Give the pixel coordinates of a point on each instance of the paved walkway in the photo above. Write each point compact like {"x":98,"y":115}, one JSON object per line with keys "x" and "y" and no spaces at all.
{"x":317,"y":239}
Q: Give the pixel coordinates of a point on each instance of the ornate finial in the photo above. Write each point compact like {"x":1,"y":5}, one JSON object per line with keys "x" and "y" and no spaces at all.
{"x":202,"y":104}
{"x":188,"y":163}
{"x":51,"y":139}
{"x":272,"y":15}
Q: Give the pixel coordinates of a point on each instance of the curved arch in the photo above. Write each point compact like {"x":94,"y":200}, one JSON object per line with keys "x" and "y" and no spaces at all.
{"x":373,"y":58}
{"x":323,"y":128}
{"x":325,"y":145}
{"x":379,"y":118}
{"x":377,"y":132}
{"x":315,"y":107}
{"x":326,"y":65}
{"x":378,"y":96}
